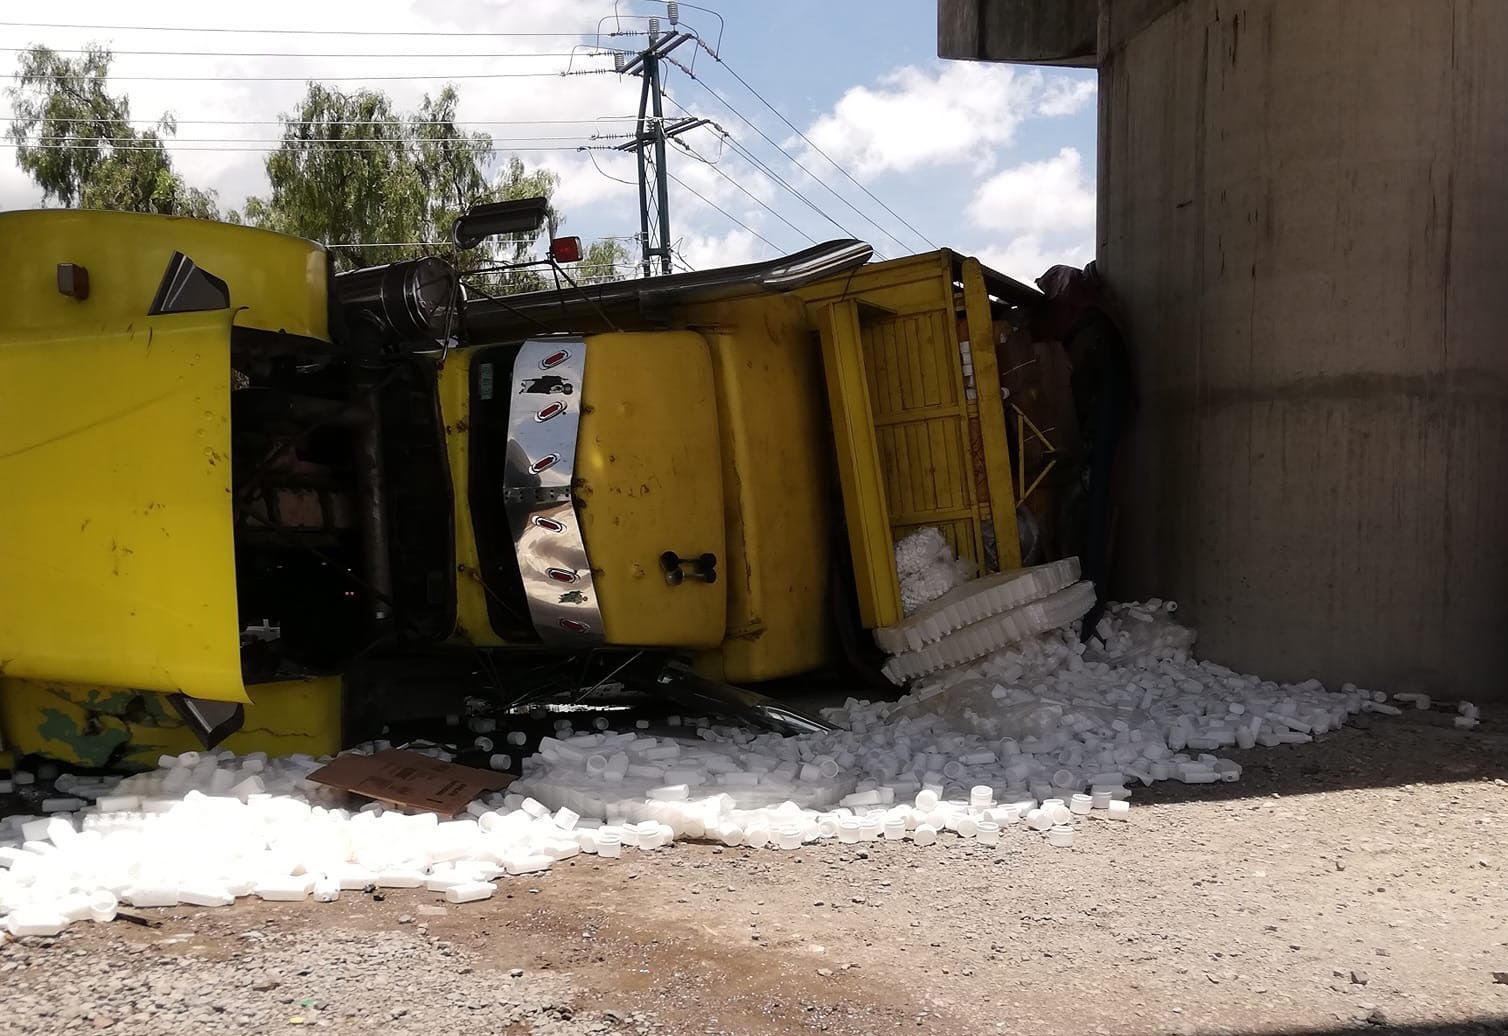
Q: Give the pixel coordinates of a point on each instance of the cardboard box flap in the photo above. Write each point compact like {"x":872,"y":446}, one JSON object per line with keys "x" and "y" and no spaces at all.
{"x":410,"y":780}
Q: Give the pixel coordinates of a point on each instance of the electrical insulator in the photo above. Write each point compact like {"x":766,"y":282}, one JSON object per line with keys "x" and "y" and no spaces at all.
{"x":673,"y":10}
{"x":654,"y":27}
{"x":618,"y":61}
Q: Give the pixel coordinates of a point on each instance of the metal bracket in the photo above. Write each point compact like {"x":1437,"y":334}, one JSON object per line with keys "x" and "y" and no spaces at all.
{"x":678,"y":683}
{"x":675,"y":567}
{"x":211,"y":721}
{"x":537,"y":495}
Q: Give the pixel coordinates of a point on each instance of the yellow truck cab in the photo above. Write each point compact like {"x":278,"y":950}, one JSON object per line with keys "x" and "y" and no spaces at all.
{"x":304,"y":504}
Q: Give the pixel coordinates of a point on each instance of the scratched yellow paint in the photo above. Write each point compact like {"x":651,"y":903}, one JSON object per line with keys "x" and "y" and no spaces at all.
{"x":276,"y":282}
{"x":649,"y":480}
{"x":116,"y":556}
{"x":96,"y":727}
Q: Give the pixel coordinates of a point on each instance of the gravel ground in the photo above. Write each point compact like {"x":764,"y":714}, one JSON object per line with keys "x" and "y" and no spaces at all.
{"x":1356,"y":883}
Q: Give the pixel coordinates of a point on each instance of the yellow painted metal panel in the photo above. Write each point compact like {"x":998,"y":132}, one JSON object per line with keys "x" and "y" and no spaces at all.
{"x":898,"y":285}
{"x":913,"y":451}
{"x":777,"y":482}
{"x":864,"y":484}
{"x":921,"y":422}
{"x":649,"y":480}
{"x":92,"y":726}
{"x":276,"y":282}
{"x":997,"y":458}
{"x":117,"y":558}
{"x":473,"y":624}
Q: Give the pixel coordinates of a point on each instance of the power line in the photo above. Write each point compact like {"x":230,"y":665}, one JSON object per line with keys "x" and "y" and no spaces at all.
{"x":610,"y":176}
{"x":296,"y":54}
{"x":507,"y":239}
{"x":312,"y":32}
{"x":762,"y":167}
{"x":340,"y":122}
{"x":752,"y":197}
{"x":724,"y":211}
{"x":327,"y":79}
{"x":790,"y":157}
{"x":113,"y":141}
{"x":810,"y":143}
{"x":162,"y":145}
{"x":386,"y":244}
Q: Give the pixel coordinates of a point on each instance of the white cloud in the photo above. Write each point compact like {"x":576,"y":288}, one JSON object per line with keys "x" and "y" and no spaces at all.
{"x":1027,"y":257}
{"x":582,"y":184}
{"x":16,"y":190}
{"x":1048,"y":209}
{"x":1065,"y":96}
{"x":961,"y":112}
{"x":1051,"y":196}
{"x":705,"y":252}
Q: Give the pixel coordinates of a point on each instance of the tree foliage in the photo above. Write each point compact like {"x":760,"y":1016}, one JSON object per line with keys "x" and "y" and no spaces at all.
{"x":76,"y":141}
{"x":352,"y":172}
{"x":375,"y":184}
{"x":605,"y":260}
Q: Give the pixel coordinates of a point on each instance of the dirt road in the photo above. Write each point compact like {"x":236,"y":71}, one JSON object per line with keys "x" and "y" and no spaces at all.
{"x":1357,"y":882}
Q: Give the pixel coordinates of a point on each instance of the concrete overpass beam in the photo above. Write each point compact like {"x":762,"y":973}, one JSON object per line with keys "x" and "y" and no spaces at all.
{"x":1036,"y":32}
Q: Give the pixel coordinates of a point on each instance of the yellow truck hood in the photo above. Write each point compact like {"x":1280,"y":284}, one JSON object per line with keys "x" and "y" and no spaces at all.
{"x":117,"y":556}
{"x":117,"y":562}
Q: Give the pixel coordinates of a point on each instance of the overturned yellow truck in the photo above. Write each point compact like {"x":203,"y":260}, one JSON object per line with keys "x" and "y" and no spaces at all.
{"x":244,"y":498}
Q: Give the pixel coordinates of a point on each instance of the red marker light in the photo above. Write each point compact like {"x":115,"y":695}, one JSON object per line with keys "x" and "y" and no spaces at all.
{"x":555,"y":359}
{"x":575,"y":626}
{"x":544,"y":463}
{"x":553,"y":410}
{"x":561,"y":575}
{"x":548,"y":524}
{"x":566,"y":249}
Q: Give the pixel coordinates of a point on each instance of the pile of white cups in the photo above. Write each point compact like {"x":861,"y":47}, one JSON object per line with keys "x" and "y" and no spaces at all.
{"x":1026,"y":743}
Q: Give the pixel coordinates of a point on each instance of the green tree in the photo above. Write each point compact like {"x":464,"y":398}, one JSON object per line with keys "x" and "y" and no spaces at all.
{"x":376,"y":184}
{"x":604,"y":260}
{"x":382,"y":186}
{"x":76,"y":141}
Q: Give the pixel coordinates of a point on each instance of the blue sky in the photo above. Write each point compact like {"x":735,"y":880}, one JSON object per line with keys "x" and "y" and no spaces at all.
{"x":996,"y":161}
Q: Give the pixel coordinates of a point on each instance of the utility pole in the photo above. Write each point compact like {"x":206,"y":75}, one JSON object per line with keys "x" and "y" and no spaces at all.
{"x":650,"y":134}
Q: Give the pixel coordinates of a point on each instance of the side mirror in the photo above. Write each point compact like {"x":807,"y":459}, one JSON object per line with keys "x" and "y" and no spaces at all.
{"x":524,"y":216}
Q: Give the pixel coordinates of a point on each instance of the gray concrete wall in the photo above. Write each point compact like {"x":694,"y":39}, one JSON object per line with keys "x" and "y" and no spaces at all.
{"x":1304,"y":212}
{"x":1039,"y":32}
